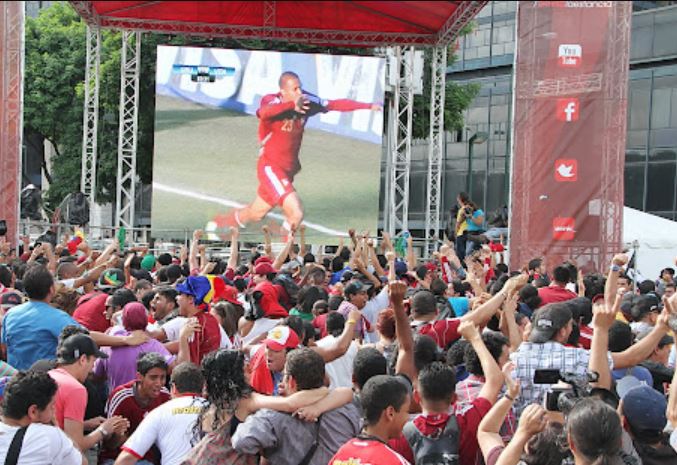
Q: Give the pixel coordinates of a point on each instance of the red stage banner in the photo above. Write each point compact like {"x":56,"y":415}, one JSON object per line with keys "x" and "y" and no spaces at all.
{"x":569,"y":119}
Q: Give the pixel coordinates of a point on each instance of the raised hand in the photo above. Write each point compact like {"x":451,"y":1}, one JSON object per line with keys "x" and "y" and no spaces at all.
{"x":396,"y":291}
{"x":469,"y":331}
{"x":533,"y":420}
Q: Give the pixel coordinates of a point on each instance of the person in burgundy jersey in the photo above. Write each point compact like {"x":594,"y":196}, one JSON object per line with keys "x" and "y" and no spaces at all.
{"x":282,"y":121}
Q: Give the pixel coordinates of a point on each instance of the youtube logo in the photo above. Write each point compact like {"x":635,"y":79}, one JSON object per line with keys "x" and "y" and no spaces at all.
{"x":567,"y":109}
{"x":569,"y":55}
{"x":566,"y":170}
{"x":564,"y":229}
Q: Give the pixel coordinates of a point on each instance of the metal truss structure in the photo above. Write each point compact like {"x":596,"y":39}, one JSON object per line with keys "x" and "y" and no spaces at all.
{"x":90,"y":117}
{"x":398,"y":165}
{"x":11,"y":112}
{"x":438,"y":69}
{"x":130,"y":68}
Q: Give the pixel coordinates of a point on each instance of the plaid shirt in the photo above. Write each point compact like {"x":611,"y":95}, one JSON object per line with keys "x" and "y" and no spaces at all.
{"x":550,"y":355}
{"x":468,"y":390}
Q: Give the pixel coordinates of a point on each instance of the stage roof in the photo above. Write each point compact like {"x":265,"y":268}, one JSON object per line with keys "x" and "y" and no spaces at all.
{"x":346,"y":23}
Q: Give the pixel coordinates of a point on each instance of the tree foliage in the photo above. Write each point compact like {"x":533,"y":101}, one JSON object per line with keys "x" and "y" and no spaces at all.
{"x":54,"y":91}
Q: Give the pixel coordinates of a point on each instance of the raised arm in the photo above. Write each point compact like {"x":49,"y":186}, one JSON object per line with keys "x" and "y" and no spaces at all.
{"x":405,"y":336}
{"x":611,"y":285}
{"x":194,"y":246}
{"x":603,"y":318}
{"x":532,"y":422}
{"x":342,"y":343}
{"x":270,"y":109}
{"x":234,"y":249}
{"x":267,"y":243}
{"x":510,"y":324}
{"x":284,"y":253}
{"x":484,"y":313}
{"x":411,"y":257}
{"x":302,"y":242}
{"x":373,"y":257}
{"x":488,"y":435}
{"x":637,"y":353}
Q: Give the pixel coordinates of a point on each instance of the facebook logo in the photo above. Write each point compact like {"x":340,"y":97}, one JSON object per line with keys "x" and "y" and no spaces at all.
{"x":568,"y":109}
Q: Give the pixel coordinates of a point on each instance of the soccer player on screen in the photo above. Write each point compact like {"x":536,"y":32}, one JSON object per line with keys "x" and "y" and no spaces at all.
{"x":282,"y":120}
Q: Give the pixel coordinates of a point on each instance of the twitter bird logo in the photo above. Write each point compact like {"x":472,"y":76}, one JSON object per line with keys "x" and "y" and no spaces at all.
{"x":566,"y":170}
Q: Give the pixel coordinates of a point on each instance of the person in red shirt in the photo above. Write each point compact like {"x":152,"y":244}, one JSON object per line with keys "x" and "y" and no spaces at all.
{"x":282,"y":120}
{"x":133,"y":401}
{"x":91,"y":311}
{"x":557,"y":292}
{"x":385,"y":409}
{"x":206,"y":335}
{"x":436,"y":393}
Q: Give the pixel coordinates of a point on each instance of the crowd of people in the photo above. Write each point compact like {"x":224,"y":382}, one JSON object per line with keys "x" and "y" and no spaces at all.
{"x":121,"y":356}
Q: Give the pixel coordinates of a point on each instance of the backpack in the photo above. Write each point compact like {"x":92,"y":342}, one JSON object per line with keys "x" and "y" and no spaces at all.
{"x":442,"y":450}
{"x":290,"y":287}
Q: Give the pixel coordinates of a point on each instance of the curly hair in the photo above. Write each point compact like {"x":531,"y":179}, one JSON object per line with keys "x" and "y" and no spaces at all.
{"x":225,"y":383}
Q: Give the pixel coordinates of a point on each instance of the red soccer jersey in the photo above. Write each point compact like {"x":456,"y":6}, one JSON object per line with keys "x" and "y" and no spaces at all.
{"x":122,"y":402}
{"x":585,"y":339}
{"x":91,"y":312}
{"x":366,"y":452}
{"x":555,"y":293}
{"x":443,"y":332}
{"x":281,"y":128}
{"x":205,"y":341}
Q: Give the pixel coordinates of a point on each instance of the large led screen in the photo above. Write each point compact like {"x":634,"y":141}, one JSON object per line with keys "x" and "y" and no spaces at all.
{"x":246,"y":138}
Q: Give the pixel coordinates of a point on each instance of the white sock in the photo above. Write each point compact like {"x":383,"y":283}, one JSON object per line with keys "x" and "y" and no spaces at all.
{"x":237,"y":219}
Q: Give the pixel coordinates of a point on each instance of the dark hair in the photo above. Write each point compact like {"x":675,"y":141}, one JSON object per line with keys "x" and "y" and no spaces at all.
{"x":345,"y":254}
{"x":561,"y":274}
{"x":534,"y":263}
{"x":309,"y":332}
{"x":672,"y":285}
{"x":25,"y":389}
{"x":456,"y":353}
{"x":122,"y":297}
{"x":335,"y":323}
{"x":494,"y":342}
{"x":581,"y":309}
{"x":458,"y":286}
{"x":147,"y":297}
{"x":529,"y":295}
{"x":230,"y":316}
{"x":595,"y":430}
{"x":167,"y":292}
{"x":438,"y":287}
{"x":594,"y":285}
{"x":379,"y":393}
{"x":620,"y":336}
{"x":308,"y":296}
{"x":426,"y":351}
{"x":667,"y":270}
{"x":37,"y":282}
{"x":501,"y":269}
{"x":161,"y":274}
{"x":225,"y":384}
{"x":336,"y":264}
{"x":142,"y":284}
{"x":308,"y":258}
{"x":437,"y":382}
{"x":147,"y":361}
{"x":306,"y":367}
{"x":646,"y":286}
{"x":423,"y":303}
{"x":173,"y":273}
{"x":368,"y":363}
{"x":546,"y":447}
{"x":334,"y":302}
{"x":71,"y":330}
{"x":295,"y":323}
{"x":187,"y":378}
{"x":5,"y":276}
{"x":321,"y":307}
{"x":498,"y":284}
{"x":539,"y":283}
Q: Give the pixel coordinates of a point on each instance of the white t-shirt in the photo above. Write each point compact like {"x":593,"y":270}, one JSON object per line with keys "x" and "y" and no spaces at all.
{"x":42,"y":445}
{"x":340,"y":371}
{"x":170,"y":427}
{"x":370,"y":312}
{"x":173,"y":328}
{"x":70,"y":283}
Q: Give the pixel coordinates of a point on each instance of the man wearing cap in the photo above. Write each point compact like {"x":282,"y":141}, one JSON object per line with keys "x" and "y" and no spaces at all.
{"x":643,"y":416}
{"x":284,"y":439}
{"x":551,"y":328}
{"x":356,"y":298}
{"x":76,"y":357}
{"x":191,"y":294}
{"x":31,"y":330}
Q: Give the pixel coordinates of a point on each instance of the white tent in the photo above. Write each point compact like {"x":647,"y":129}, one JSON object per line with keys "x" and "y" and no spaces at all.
{"x":653,"y":238}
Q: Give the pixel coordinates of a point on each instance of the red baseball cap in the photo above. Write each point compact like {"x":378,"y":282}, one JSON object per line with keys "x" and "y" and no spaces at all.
{"x":264,"y":268}
{"x":280,"y":338}
{"x":263,"y":259}
{"x":229,"y":294}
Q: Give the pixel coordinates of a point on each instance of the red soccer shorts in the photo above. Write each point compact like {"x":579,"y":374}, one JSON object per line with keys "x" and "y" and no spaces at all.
{"x":274,"y":184}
